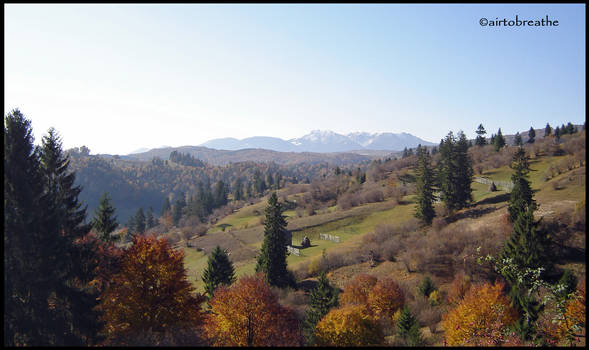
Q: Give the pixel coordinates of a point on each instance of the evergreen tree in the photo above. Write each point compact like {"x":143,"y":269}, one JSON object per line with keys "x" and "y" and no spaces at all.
{"x":480,"y":139}
{"x":277,"y":180}
{"x":521,"y":194}
{"x":220,"y":195}
{"x":464,"y":172}
{"x":447,"y":172}
{"x":105,"y":222}
{"x":272,"y":258}
{"x":547,"y":130}
{"x":408,"y":328}
{"x":499,"y":141}
{"x":526,"y":247}
{"x":140,"y":221}
{"x":570,"y":128}
{"x":323,"y":298}
{"x":177,"y":210}
{"x":43,"y":301}
{"x":426,"y":286}
{"x":517,"y":141}
{"x":166,"y":206}
{"x":531,"y":135}
{"x":219,"y":271}
{"x":557,"y":133}
{"x":237,"y":190}
{"x":76,"y":322}
{"x":149,"y":220}
{"x":425,"y":191}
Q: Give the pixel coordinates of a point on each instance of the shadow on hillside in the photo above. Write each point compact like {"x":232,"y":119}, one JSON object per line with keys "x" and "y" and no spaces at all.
{"x":301,"y":247}
{"x":494,"y":200}
{"x":472,"y":213}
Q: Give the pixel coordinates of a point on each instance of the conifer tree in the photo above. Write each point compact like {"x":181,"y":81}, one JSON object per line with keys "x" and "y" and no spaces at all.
{"x":272,"y":258}
{"x":464,"y":171}
{"x":44,"y":298}
{"x":498,"y":141}
{"x":220,"y":195}
{"x":219,"y":271}
{"x":408,"y":328}
{"x":140,"y":221}
{"x":76,"y":321}
{"x":547,"y":130}
{"x":425,"y":191}
{"x":517,"y":141}
{"x":447,"y":172}
{"x":166,"y":206}
{"x":237,"y":190}
{"x":149,"y":220}
{"x":323,"y":298}
{"x":105,"y":222}
{"x":557,"y":133}
{"x":426,"y":287}
{"x":480,"y":139}
{"x":531,"y":135}
{"x":178,"y":209}
{"x":521,"y":194}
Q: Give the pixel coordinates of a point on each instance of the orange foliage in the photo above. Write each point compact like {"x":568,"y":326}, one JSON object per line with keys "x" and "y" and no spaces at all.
{"x":248,"y":313}
{"x":350,"y":325}
{"x":357,"y":290}
{"x":460,"y":285}
{"x":574,"y":316}
{"x":480,"y":318}
{"x":149,"y":294}
{"x":385,"y":298}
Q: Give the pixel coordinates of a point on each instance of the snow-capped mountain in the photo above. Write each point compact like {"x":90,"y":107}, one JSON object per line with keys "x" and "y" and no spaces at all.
{"x":387,"y":140}
{"x":323,"y":141}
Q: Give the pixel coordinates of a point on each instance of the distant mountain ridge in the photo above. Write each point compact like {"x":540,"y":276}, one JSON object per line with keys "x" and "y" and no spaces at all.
{"x":323,"y":141}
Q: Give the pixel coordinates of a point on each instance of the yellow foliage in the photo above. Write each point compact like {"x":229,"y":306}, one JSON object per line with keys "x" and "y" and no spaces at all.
{"x":314,"y":266}
{"x":350,"y":325}
{"x":435,"y":298}
{"x":574,"y":316}
{"x":480,"y":318}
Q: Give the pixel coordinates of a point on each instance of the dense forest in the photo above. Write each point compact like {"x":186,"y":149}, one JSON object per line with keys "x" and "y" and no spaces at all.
{"x":464,"y":243}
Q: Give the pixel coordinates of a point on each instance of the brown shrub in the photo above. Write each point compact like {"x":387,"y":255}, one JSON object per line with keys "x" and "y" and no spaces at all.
{"x":460,"y":285}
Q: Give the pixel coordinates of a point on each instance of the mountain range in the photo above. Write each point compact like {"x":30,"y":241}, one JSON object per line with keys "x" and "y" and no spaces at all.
{"x":323,"y":141}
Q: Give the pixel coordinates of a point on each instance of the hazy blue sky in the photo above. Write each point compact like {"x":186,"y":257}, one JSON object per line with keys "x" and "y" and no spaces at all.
{"x":120,"y":77}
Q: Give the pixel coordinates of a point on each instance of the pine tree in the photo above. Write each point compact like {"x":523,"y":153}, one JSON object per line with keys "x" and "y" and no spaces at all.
{"x":76,"y":320}
{"x":425,"y":191}
{"x":179,"y":206}
{"x":480,"y":139}
{"x":105,"y":222}
{"x":166,"y":206}
{"x":498,"y":141}
{"x":272,"y":258}
{"x":408,"y":328}
{"x":149,"y":220}
{"x":323,"y":298}
{"x":570,"y":128}
{"x":220,"y":195}
{"x":547,"y":130}
{"x":531,"y":135}
{"x":44,"y":300}
{"x":447,"y":172}
{"x":521,"y":194}
{"x":557,"y":133}
{"x":140,"y":221}
{"x":426,"y":287}
{"x":526,"y":247}
{"x":464,"y":172}
{"x":517,"y":141}
{"x":237,"y":190}
{"x":219,"y":271}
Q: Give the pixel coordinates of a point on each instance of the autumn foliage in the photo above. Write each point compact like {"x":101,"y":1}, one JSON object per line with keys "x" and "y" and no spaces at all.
{"x":357,"y":290}
{"x":149,"y":295}
{"x":458,"y":289}
{"x":573,"y":324}
{"x":248,"y":314}
{"x":351,"y":325}
{"x":480,"y":318}
{"x":385,"y":298}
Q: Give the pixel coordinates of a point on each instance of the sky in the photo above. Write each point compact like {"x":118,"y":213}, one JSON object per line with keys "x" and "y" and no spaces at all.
{"x":117,"y":78}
